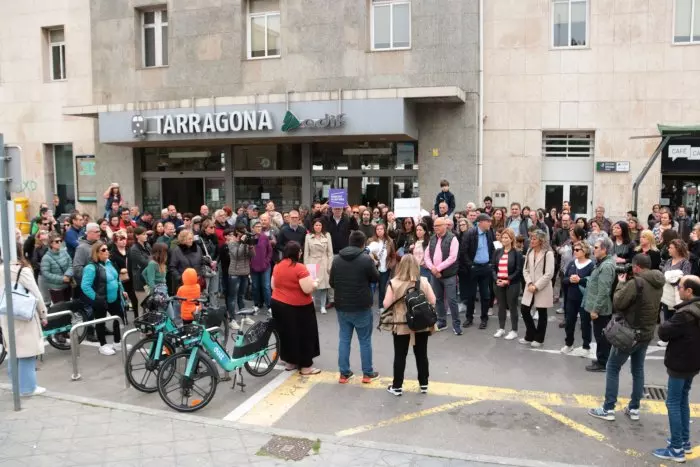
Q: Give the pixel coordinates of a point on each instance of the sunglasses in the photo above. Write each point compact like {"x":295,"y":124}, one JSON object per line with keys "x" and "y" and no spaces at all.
{"x":102,"y":250}
{"x":356,"y":212}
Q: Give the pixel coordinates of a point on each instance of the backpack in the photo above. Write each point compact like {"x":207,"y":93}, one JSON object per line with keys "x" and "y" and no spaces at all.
{"x":419,"y":313}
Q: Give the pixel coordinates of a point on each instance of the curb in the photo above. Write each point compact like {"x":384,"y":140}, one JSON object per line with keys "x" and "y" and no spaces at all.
{"x":325,"y":438}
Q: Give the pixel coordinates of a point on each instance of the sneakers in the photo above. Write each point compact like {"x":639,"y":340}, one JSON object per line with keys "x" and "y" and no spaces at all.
{"x":441,"y":326}
{"x":395,"y":391}
{"x":462,"y":307}
{"x":247,"y":321}
{"x":500,"y":333}
{"x":567,"y":349}
{"x":118,"y":346}
{"x":233,"y":325}
{"x":687,"y":448}
{"x":344,"y":379}
{"x":535,"y":344}
{"x":675,"y":455}
{"x":256,"y":309}
{"x":633,"y":414}
{"x":560,"y":311}
{"x":663,"y":345}
{"x":602,"y":414}
{"x":366,"y":379}
{"x":580,"y":352}
{"x":596,"y":367}
{"x":482,"y":325}
{"x":457,"y":331}
{"x":490,"y":312}
{"x":524,"y":342}
{"x":424,"y":390}
{"x":323,"y":310}
{"x":468,"y":323}
{"x":37,"y":391}
{"x":106,"y":350}
{"x":511,"y":335}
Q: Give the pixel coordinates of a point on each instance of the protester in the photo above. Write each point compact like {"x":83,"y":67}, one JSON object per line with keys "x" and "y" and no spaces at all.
{"x":112,"y":195}
{"x":537,"y":273}
{"x":407,"y":275}
{"x":352,"y":272}
{"x":406,"y":237}
{"x":635,"y":229}
{"x":120,"y":261}
{"x":29,"y":341}
{"x":604,"y":223}
{"x":441,"y":258}
{"x":56,"y":270}
{"x":574,"y":283}
{"x":292,"y":232}
{"x":665,"y":223}
{"x":477,"y":258}
{"x":186,"y":254}
{"x":446,"y":196}
{"x":318,"y":254}
{"x":261,"y":269}
{"x":72,"y":236}
{"x":507,"y":264}
{"x":517,"y":221}
{"x":598,"y":300}
{"x":676,"y":267}
{"x":647,"y":246}
{"x":637,"y":301}
{"x":240,"y":253}
{"x":382,"y":250}
{"x":418,"y":248}
{"x":168,"y":234}
{"x":596,"y":232}
{"x":154,"y":274}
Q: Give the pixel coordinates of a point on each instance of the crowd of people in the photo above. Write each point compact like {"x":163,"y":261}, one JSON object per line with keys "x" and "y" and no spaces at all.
{"x":293,"y":265}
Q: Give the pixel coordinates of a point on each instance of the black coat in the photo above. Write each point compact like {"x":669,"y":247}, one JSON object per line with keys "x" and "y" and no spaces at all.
{"x":288,"y":234}
{"x":471,"y":243}
{"x":682,"y":332}
{"x":138,"y":260}
{"x":340,"y":231}
{"x":516,"y":263}
{"x":351,"y":274}
{"x":181,"y":258}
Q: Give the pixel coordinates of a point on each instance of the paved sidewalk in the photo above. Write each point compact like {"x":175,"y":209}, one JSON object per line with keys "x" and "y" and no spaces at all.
{"x":60,"y":430}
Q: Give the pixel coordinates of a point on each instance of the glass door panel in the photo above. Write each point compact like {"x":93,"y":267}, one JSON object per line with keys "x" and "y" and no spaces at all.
{"x":578,"y":194}
{"x":214,"y":193}
{"x":186,"y":194}
{"x":284,"y":191}
{"x":579,"y":197}
{"x":151,"y":197}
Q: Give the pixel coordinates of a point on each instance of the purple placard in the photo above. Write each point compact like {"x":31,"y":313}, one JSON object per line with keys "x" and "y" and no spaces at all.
{"x":337,"y":198}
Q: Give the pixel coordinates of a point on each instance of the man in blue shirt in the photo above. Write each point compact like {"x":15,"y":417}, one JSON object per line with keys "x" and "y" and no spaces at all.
{"x":477,"y":253}
{"x":73,"y":234}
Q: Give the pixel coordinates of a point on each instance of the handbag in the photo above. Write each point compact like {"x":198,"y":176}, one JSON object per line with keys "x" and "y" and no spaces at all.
{"x":23,"y":303}
{"x":619,"y":332}
{"x":207,"y":270}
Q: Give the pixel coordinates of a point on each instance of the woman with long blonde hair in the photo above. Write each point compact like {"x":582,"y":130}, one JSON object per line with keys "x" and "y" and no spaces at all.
{"x":647,"y":246}
{"x":407,"y":275}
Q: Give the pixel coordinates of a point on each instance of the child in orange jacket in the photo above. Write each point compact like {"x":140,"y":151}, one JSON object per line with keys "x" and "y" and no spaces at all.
{"x":189,"y":289}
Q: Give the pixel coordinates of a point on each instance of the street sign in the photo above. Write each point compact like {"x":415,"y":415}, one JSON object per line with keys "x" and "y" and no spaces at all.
{"x":621,"y":166}
{"x":13,"y":168}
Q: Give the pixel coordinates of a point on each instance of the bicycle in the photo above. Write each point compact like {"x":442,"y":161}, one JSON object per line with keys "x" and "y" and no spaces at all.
{"x":57,"y":337}
{"x":183,"y":374}
{"x":150,"y":351}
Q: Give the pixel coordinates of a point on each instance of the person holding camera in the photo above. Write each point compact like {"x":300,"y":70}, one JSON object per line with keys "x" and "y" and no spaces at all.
{"x":637,"y":299}
{"x":241,"y":249}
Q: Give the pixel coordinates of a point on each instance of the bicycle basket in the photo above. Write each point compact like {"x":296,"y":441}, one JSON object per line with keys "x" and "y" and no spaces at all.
{"x":255,"y":338}
{"x":188,"y":336}
{"x":150,"y":322}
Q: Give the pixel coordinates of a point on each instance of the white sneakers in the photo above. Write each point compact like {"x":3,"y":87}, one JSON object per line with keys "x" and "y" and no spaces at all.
{"x":256,"y":309}
{"x":511,"y":335}
{"x":118,"y":346}
{"x":581,"y":352}
{"x":462,"y":307}
{"x":567,"y":349}
{"x":500,"y":333}
{"x":106,"y":350}
{"x":662,"y":344}
{"x":247,"y":321}
{"x":560,"y":311}
{"x":535,"y":345}
{"x":233,"y":325}
{"x":490,"y":312}
{"x":523,"y":341}
{"x":323,"y":310}
{"x":37,"y":391}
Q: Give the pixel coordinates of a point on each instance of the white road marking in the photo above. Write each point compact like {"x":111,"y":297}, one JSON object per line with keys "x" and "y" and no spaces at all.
{"x":248,"y":405}
{"x":650,"y":349}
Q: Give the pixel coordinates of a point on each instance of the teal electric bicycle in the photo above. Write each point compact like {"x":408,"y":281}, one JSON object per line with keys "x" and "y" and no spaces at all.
{"x":188,"y":379}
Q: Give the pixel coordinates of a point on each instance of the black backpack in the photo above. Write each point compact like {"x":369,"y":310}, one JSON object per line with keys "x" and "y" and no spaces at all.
{"x":420,"y":314}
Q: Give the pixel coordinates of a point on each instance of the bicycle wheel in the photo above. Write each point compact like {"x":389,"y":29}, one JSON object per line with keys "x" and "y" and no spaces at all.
{"x":266,"y":362}
{"x":62,"y":341}
{"x":3,"y":349}
{"x":187,"y":393}
{"x":141,"y":368}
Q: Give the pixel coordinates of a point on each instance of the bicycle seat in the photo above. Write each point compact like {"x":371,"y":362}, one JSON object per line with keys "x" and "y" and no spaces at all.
{"x":246,"y":312}
{"x":202,"y":300}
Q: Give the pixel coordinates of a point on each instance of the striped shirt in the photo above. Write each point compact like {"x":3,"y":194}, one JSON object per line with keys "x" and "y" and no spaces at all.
{"x":503,"y":267}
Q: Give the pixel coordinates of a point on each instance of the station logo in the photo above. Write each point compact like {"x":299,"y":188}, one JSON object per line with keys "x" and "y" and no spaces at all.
{"x":292,"y":123}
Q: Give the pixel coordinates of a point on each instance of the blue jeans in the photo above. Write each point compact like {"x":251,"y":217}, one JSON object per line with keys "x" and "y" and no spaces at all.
{"x":262,"y":293}
{"x":679,"y":410}
{"x":616,"y":359}
{"x":425,"y":272}
{"x":446,"y":291}
{"x":237,"y":286}
{"x":362,"y":322}
{"x":27,"y":374}
{"x":383,"y":281}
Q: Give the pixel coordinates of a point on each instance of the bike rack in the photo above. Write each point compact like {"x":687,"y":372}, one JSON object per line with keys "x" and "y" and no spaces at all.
{"x":51,"y":316}
{"x":75,"y":344}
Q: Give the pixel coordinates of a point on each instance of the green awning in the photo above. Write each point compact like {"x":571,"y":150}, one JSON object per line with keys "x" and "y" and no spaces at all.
{"x":666,"y":129}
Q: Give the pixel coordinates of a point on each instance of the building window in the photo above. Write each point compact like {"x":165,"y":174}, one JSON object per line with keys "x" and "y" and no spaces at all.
{"x":263,"y":28}
{"x":155,"y":38}
{"x":391,"y":24}
{"x":568,"y":145}
{"x":569,"y":23}
{"x":687,"y":23}
{"x":64,"y":174}
{"x":57,"y":53}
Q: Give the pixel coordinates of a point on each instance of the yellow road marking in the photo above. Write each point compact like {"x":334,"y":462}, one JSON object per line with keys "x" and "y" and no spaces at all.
{"x":404,"y":418}
{"x":273,"y":407}
{"x":583,"y":429}
{"x":694,"y":455}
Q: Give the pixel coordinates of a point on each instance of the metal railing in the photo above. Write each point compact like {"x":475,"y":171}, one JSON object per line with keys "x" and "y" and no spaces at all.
{"x":58,"y":314}
{"x":75,"y":343}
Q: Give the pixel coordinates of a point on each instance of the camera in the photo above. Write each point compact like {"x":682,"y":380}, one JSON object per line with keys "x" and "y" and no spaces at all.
{"x":624,"y":269}
{"x":250,"y":239}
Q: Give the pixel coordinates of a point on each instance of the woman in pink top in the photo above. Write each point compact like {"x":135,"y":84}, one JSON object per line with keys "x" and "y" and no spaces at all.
{"x":418,"y":248}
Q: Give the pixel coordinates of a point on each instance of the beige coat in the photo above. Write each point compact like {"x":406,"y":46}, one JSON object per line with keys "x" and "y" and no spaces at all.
{"x":534,"y":274}
{"x":28,"y":334}
{"x":398,"y":289}
{"x":319,"y":251}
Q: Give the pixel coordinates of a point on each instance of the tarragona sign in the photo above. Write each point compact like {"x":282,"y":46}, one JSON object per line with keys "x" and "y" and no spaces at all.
{"x":226,"y":122}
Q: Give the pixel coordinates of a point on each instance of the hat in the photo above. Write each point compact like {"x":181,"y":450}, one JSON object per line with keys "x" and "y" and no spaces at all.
{"x":197,"y":220}
{"x":254,"y":222}
{"x":139,"y":231}
{"x":483,"y":217}
{"x":253,"y":207}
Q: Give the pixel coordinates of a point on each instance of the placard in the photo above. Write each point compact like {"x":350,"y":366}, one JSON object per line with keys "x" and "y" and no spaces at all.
{"x":313,"y":270}
{"x":215,"y":194}
{"x":86,"y":186}
{"x":407,"y":207}
{"x":265,"y":196}
{"x":337,"y":197}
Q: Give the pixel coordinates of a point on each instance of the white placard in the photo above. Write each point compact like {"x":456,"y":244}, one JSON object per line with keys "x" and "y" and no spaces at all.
{"x":694,"y":154}
{"x":264,"y":195}
{"x":679,"y":152}
{"x":313,"y":270}
{"x":407,"y":207}
{"x":324,"y":192}
{"x":215,"y":194}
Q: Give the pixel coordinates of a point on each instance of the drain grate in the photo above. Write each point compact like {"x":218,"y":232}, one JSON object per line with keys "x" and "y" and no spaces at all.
{"x":655,"y":393}
{"x":291,"y":449}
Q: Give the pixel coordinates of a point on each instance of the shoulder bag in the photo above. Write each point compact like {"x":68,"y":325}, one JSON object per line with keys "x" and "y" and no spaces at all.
{"x":619,"y":332}
{"x":23,"y":302}
{"x":207,"y":270}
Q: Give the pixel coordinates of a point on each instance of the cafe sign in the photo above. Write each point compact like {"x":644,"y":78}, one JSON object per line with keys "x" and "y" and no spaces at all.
{"x":194,"y":123}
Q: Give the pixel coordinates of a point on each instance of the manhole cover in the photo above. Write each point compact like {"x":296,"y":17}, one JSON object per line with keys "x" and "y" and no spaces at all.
{"x":291,"y":449}
{"x":655,"y":393}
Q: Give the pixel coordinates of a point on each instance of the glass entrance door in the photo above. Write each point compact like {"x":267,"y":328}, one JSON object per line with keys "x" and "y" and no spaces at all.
{"x":187,"y":194}
{"x":578,"y":194}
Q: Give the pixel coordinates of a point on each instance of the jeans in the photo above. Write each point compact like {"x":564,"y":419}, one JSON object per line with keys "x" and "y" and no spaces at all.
{"x":237,"y":286}
{"x":213,"y":289}
{"x":446,"y":290}
{"x":383,"y":281}
{"x":616,"y":359}
{"x":480,"y":275}
{"x":668,"y":312}
{"x":420,"y":351}
{"x":425,"y":272}
{"x":679,"y":410}
{"x":27,"y":374}
{"x":362,"y":323}
{"x":508,"y":298}
{"x":319,"y":297}
{"x":602,"y":345}
{"x":533,"y":333}
{"x":262,"y":292}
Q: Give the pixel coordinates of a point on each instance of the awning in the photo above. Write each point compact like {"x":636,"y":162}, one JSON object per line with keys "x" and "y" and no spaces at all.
{"x":669,"y":129}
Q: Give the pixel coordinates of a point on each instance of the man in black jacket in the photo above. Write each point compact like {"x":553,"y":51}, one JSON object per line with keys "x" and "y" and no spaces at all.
{"x":351,"y":274}
{"x":339,"y":226}
{"x":477,"y":254}
{"x":294,"y":231}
